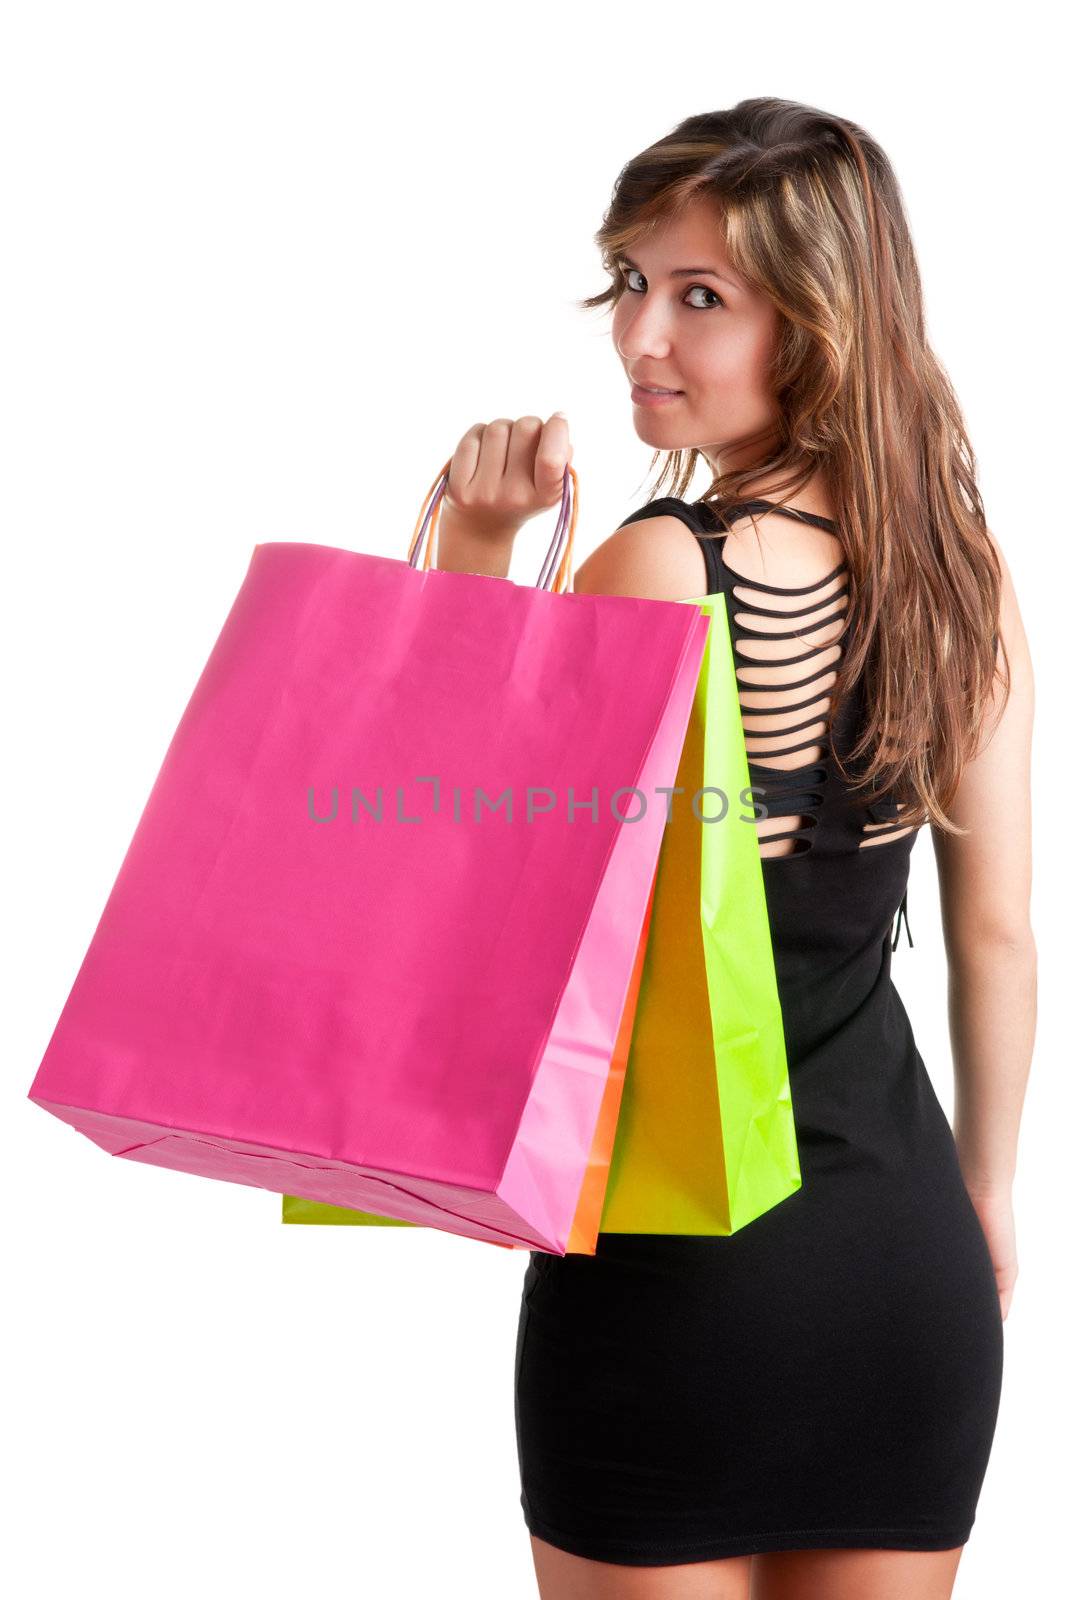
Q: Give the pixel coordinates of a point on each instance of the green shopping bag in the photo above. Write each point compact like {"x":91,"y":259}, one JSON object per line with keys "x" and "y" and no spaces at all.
{"x":705,"y":1139}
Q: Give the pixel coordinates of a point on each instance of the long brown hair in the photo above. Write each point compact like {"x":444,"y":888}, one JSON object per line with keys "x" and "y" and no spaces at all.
{"x":813,"y":217}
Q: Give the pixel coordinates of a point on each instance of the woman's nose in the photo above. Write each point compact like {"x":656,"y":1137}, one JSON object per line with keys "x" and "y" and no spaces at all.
{"x":644,"y":331}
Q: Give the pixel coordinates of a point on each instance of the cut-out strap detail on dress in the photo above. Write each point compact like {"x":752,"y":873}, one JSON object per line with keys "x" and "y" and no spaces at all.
{"x":783,"y":707}
{"x":779,"y":588}
{"x":772,"y":684}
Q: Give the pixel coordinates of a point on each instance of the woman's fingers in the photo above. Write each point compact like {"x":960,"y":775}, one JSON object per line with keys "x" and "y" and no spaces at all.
{"x":554,"y":451}
{"x":510,"y":470}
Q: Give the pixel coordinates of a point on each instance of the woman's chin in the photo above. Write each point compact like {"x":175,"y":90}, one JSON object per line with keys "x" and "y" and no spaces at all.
{"x":661,"y":434}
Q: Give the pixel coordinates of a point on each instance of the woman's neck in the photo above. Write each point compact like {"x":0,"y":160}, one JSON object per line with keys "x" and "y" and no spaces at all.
{"x":812,"y":498}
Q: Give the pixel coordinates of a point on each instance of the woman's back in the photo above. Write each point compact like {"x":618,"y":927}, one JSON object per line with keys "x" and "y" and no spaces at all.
{"x":835,"y":864}
{"x":774,"y":1388}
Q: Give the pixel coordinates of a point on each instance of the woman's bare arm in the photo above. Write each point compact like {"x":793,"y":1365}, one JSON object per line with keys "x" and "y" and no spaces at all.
{"x":985,"y":878}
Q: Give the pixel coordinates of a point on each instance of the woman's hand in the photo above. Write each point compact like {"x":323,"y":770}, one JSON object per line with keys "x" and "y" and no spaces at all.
{"x":998,"y":1224}
{"x":502,"y":474}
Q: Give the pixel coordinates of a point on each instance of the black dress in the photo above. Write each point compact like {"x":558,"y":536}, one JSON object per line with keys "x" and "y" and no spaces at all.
{"x":830,"y":1374}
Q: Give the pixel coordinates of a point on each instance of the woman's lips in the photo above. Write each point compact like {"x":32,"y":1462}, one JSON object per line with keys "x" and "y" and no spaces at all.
{"x":653,"y":397}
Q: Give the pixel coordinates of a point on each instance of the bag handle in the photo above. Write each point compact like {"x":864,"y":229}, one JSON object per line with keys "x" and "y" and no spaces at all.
{"x":422,"y":551}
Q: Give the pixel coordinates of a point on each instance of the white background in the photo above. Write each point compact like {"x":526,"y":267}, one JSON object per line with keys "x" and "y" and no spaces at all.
{"x":262,"y":266}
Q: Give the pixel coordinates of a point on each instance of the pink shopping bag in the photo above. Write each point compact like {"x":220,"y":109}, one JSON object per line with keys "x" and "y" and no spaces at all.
{"x":372,"y":939}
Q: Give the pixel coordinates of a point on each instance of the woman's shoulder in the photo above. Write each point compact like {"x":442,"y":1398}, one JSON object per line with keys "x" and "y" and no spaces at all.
{"x":651,"y":555}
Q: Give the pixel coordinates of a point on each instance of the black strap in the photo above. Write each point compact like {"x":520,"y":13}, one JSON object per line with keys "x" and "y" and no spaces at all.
{"x":668,"y":505}
{"x":902,"y":911}
{"x":690,"y":512}
{"x":785,"y":511}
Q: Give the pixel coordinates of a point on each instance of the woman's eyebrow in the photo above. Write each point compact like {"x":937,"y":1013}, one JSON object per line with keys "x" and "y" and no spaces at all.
{"x":681,"y":272}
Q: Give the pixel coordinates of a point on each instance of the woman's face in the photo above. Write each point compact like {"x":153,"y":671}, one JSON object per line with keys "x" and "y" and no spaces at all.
{"x":686,"y":322}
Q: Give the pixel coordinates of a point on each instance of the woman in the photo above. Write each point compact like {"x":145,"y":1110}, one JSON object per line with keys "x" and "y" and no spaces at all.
{"x":806,"y":1407}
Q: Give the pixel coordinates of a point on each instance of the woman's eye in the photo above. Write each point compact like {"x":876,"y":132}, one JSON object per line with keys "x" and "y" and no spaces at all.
{"x":696,"y":288}
{"x":702,"y":288}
